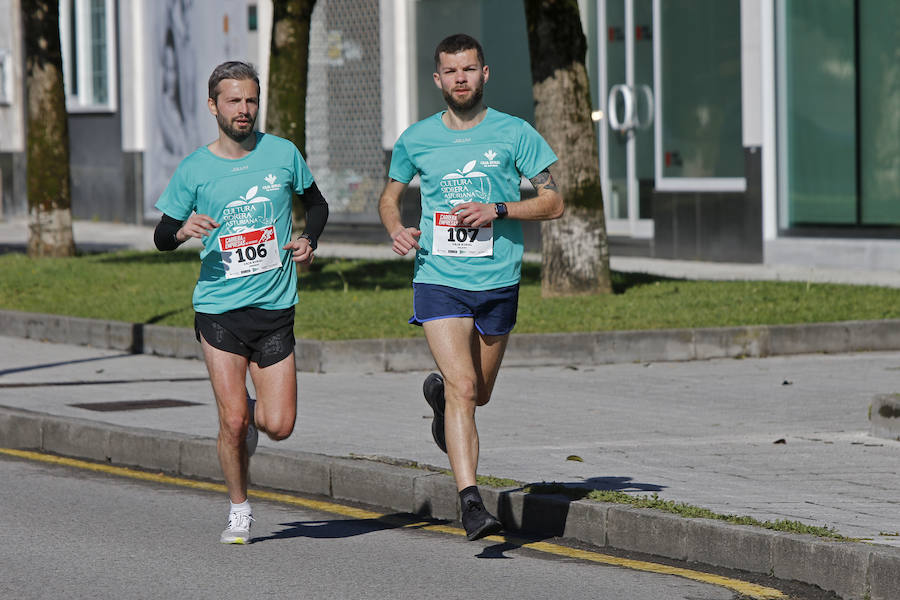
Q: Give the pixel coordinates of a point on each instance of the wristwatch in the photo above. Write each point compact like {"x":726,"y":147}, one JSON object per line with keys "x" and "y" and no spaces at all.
{"x":310,"y":239}
{"x":500,"y":207}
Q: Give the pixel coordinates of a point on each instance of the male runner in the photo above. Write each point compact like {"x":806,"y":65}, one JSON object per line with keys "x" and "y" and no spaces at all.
{"x":235,"y":195}
{"x":470,"y":160}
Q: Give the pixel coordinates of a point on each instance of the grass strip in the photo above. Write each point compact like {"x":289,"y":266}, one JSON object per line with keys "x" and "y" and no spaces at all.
{"x":362,"y":299}
{"x":681,"y":509}
{"x":654,"y":501}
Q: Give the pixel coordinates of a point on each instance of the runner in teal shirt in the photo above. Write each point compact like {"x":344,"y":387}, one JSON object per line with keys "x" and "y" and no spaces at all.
{"x":468,"y":244}
{"x":485,"y":164}
{"x":244,"y":195}
{"x":235,"y":195}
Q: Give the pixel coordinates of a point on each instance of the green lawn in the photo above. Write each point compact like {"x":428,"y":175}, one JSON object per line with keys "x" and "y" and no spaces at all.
{"x":352,"y":299}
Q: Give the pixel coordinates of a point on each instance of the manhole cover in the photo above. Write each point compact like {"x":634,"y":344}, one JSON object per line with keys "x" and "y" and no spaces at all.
{"x":134,"y":404}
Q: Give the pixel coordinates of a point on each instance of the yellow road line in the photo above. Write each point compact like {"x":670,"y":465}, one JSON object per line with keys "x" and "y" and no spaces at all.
{"x":750,"y":590}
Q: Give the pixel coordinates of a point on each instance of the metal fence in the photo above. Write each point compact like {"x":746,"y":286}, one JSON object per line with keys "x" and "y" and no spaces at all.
{"x":343,"y":110}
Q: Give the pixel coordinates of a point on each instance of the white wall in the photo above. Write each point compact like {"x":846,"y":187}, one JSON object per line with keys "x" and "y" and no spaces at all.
{"x":397,"y":51}
{"x":12,"y":116}
{"x":133,"y":18}
{"x":751,"y":73}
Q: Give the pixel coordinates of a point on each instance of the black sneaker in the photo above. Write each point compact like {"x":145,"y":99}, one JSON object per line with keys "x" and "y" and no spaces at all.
{"x":433,"y":388}
{"x":478,"y":521}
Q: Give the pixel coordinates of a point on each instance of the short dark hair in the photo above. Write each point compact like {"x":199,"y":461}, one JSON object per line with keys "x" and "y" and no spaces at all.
{"x":231,"y":70}
{"x":456,"y":43}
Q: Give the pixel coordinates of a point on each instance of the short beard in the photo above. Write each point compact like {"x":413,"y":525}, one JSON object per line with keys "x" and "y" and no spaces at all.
{"x":235,"y":134}
{"x":473,"y":101}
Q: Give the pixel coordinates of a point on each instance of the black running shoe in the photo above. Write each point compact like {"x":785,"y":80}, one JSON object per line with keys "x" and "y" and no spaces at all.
{"x":478,"y":521}
{"x":433,"y":388}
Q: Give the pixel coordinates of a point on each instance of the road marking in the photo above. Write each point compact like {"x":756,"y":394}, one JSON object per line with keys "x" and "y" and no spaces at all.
{"x":750,"y":590}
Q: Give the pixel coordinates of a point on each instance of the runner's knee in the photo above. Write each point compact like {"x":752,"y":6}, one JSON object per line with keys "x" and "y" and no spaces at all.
{"x":280,"y":433}
{"x":233,"y":428}
{"x":484,"y":394}
{"x":463,"y":390}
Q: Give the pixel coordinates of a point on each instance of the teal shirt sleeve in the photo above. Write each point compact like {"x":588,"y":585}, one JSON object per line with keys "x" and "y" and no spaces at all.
{"x":302,"y":175}
{"x":402,"y":169}
{"x":533,"y":153}
{"x":178,"y":200}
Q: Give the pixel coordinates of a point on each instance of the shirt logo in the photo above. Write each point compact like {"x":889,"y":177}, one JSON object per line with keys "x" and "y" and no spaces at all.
{"x":466,"y":185}
{"x":271,"y":185}
{"x":250,"y":212}
{"x":490,"y":155}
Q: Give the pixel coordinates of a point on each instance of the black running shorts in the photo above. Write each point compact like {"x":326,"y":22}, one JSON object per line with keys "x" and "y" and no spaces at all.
{"x":264,"y":336}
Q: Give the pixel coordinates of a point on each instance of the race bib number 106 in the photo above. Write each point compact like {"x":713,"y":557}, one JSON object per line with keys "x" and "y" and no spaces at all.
{"x":250,"y":252}
{"x":452,"y":238}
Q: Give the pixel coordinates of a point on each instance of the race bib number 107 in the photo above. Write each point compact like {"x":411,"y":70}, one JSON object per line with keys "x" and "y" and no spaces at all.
{"x":250,"y":252}
{"x":452,"y":238}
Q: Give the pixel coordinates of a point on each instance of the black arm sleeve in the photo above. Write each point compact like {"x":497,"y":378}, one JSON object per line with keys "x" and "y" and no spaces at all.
{"x":316,"y":213}
{"x":164,"y":236}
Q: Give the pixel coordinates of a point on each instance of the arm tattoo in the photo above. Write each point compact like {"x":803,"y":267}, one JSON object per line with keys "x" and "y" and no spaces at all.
{"x":544,"y":180}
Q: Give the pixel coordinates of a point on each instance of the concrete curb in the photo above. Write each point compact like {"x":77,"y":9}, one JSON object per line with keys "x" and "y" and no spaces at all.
{"x":849,"y":569}
{"x":602,"y":347}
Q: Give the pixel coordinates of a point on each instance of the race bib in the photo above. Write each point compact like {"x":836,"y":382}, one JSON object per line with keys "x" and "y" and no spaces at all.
{"x":452,"y":238}
{"x":250,"y":252}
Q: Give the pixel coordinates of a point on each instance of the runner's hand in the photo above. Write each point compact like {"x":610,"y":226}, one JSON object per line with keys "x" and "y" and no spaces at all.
{"x":475,"y":214}
{"x":196,"y":226}
{"x":302,"y":251}
{"x":405,"y":239}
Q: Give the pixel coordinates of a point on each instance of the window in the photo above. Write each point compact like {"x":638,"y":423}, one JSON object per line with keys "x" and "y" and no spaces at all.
{"x":5,"y":77}
{"x":840,"y":158}
{"x":698,"y":91}
{"x":252,"y":18}
{"x":87,"y":37}
{"x":502,"y":31}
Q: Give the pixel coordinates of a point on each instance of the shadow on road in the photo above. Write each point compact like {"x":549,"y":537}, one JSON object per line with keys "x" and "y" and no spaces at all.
{"x":344,"y":528}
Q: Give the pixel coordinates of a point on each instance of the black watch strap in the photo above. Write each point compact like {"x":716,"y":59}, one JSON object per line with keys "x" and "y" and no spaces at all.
{"x":312,"y":240}
{"x":500,"y":207}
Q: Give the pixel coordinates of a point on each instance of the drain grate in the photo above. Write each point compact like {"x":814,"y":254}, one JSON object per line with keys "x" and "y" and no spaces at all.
{"x":134,"y":405}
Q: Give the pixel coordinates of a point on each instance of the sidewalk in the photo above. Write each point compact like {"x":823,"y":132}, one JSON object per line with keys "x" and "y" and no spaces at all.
{"x":774,"y":438}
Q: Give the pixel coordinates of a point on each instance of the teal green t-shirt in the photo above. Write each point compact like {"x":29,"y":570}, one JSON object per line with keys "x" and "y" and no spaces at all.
{"x":481,"y":164}
{"x":250,"y":198}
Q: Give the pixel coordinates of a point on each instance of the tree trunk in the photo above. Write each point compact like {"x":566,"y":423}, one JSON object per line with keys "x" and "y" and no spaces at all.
{"x":288,"y":67}
{"x":48,"y":180}
{"x":288,"y":62}
{"x":574,"y":249}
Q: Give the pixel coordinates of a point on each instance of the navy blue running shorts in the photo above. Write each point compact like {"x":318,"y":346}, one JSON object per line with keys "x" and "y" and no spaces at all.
{"x":494,"y":311}
{"x":264,"y":336}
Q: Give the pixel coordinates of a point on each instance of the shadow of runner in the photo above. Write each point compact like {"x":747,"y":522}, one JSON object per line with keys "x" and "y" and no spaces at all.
{"x":345,"y":528}
{"x":544,"y":508}
{"x":61,"y":363}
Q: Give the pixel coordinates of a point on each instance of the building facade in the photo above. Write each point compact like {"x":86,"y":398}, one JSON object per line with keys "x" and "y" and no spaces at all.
{"x":761,"y":131}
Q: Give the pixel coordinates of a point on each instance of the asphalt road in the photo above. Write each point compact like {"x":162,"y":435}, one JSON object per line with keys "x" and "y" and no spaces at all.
{"x":73,"y":534}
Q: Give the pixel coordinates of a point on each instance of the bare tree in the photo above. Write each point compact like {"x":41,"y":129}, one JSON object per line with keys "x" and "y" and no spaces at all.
{"x":48,"y":180}
{"x":574,"y":249}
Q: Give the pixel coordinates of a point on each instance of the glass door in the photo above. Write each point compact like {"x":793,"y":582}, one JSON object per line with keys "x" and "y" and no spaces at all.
{"x":627,"y":102}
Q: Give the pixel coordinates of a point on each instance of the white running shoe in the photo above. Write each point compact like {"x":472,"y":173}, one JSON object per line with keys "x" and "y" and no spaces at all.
{"x":237,"y":531}
{"x":252,"y":432}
